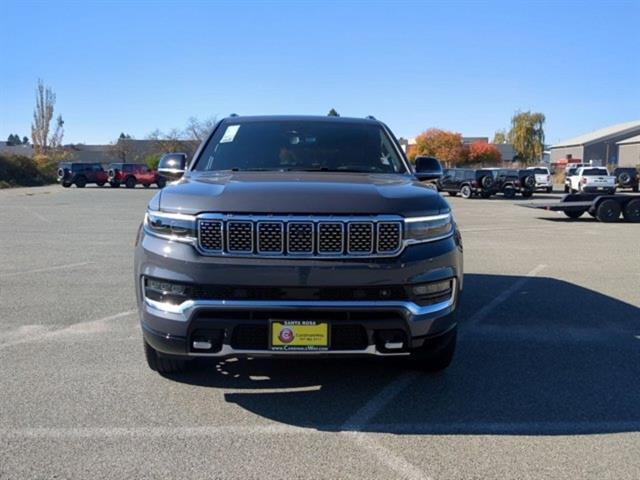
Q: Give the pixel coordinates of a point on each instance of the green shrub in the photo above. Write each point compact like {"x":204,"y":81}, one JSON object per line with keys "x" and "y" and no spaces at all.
{"x":152,"y":160}
{"x":20,"y":171}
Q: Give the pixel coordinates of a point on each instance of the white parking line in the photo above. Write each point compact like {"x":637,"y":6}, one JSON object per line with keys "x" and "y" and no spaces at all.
{"x":46,"y":269}
{"x":90,"y":327}
{"x":37,"y":215}
{"x":359,"y":420}
{"x":489,"y":307}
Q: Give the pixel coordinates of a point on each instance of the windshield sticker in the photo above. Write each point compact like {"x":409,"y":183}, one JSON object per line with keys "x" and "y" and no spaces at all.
{"x":230,"y":133}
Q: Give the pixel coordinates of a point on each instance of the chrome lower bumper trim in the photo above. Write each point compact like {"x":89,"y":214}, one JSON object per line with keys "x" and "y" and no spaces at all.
{"x":184,"y":310}
{"x":228,"y":351}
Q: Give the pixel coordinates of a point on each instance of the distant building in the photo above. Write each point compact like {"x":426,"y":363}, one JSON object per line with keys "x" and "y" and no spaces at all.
{"x":629,"y":152}
{"x":599,"y":147}
{"x":24,"y":150}
{"x":470,"y":140}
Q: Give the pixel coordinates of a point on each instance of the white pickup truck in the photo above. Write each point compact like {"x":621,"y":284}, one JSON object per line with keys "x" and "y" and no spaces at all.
{"x":592,"y":180}
{"x":543,"y":178}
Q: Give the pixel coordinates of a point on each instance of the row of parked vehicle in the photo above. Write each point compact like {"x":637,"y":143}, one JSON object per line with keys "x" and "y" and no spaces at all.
{"x":485,"y":182}
{"x":584,"y":178}
{"x":81,"y":174}
{"x":579,"y":178}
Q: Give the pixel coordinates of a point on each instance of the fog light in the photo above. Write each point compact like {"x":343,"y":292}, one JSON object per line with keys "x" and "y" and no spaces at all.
{"x":166,"y":292}
{"x":431,"y":288}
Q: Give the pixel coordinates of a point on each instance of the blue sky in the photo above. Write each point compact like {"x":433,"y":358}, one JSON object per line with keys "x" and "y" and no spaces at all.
{"x":464,"y":66}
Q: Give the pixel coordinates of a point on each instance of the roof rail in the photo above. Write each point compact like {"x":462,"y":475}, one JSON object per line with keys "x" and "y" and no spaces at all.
{"x":233,"y":115}
{"x":371,"y":117}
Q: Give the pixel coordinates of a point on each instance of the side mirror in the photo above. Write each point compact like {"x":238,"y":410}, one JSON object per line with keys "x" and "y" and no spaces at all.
{"x":172,"y":165}
{"x":428,"y":168}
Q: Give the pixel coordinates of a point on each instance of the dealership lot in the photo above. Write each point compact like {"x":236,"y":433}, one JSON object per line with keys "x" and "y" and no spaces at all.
{"x":544,"y":384}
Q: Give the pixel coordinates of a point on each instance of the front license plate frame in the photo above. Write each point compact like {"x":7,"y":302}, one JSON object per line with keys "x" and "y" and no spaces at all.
{"x":302,"y":335}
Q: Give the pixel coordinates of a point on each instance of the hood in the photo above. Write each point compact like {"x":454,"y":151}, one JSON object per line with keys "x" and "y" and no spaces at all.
{"x":301,"y":193}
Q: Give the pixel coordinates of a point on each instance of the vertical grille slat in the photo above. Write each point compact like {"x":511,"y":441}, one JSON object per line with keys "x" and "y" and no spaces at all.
{"x":330,"y":238}
{"x":210,"y":235}
{"x":240,"y":236}
{"x":389,"y":237}
{"x":270,"y":237}
{"x":360,"y":237}
{"x":299,"y":236}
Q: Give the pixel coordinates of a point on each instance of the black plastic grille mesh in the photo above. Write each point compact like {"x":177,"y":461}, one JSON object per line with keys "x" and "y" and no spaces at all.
{"x":300,"y":237}
{"x":388,"y":236}
{"x":330,"y":237}
{"x":240,"y":236}
{"x":211,"y":235}
{"x":361,"y":237}
{"x":270,"y":237}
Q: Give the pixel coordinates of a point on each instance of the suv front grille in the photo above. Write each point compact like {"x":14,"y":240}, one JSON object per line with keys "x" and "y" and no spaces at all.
{"x":307,"y":237}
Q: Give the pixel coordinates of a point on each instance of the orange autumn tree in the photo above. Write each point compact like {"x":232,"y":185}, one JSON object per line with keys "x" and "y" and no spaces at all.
{"x":484,"y":153}
{"x":445,"y":146}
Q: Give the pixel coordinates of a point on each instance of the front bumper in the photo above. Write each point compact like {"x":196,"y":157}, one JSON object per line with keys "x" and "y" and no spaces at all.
{"x":170,"y":329}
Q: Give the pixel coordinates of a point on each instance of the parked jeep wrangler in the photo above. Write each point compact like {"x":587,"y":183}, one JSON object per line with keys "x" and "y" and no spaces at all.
{"x":80,"y":174}
{"x":509,"y":182}
{"x":467,"y":182}
{"x":131,"y":174}
{"x":626,"y":177}
{"x":299,"y":236}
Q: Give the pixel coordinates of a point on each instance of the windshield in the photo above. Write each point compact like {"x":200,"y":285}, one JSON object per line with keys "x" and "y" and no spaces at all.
{"x":540,"y":171}
{"x":301,"y":146}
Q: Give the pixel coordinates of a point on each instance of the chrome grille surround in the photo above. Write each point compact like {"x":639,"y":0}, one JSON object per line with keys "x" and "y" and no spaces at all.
{"x":299,"y":236}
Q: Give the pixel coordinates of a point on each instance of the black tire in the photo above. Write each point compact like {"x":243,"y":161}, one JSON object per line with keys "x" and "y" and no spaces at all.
{"x":573,"y":214}
{"x":161,"y":182}
{"x":608,"y":211}
{"x":623,"y":179}
{"x":114,"y":184}
{"x":485,"y":194}
{"x":452,"y":194}
{"x":632,"y":211}
{"x":162,"y":364}
{"x":529,"y":181}
{"x":436,"y":354}
{"x":566,"y":189}
{"x":81,"y":182}
{"x":100,"y":184}
{"x":66,"y":184}
{"x":486,"y":182}
{"x":549,"y":189}
{"x":509,"y":192}
{"x":130,"y":182}
{"x":465,"y":191}
{"x":146,"y":185}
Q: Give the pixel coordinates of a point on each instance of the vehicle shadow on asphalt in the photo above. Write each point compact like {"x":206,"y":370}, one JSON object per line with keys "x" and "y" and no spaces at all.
{"x":552,"y":359}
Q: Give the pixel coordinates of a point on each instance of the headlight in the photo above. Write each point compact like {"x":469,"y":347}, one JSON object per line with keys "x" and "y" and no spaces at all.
{"x":427,"y":229}
{"x":171,"y":226}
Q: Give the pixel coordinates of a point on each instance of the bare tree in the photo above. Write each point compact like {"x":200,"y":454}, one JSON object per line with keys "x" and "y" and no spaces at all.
{"x":122,"y":148}
{"x":56,"y":139}
{"x":199,"y":129}
{"x":42,"y":115}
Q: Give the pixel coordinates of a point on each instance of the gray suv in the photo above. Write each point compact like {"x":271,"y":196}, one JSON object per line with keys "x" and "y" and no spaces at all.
{"x":299,"y":236}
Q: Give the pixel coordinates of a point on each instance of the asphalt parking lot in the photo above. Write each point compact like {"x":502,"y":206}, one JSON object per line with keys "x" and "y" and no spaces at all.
{"x":545,"y":383}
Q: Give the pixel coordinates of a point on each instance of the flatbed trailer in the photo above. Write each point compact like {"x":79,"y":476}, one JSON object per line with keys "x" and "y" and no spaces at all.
{"x":606,"y":208}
